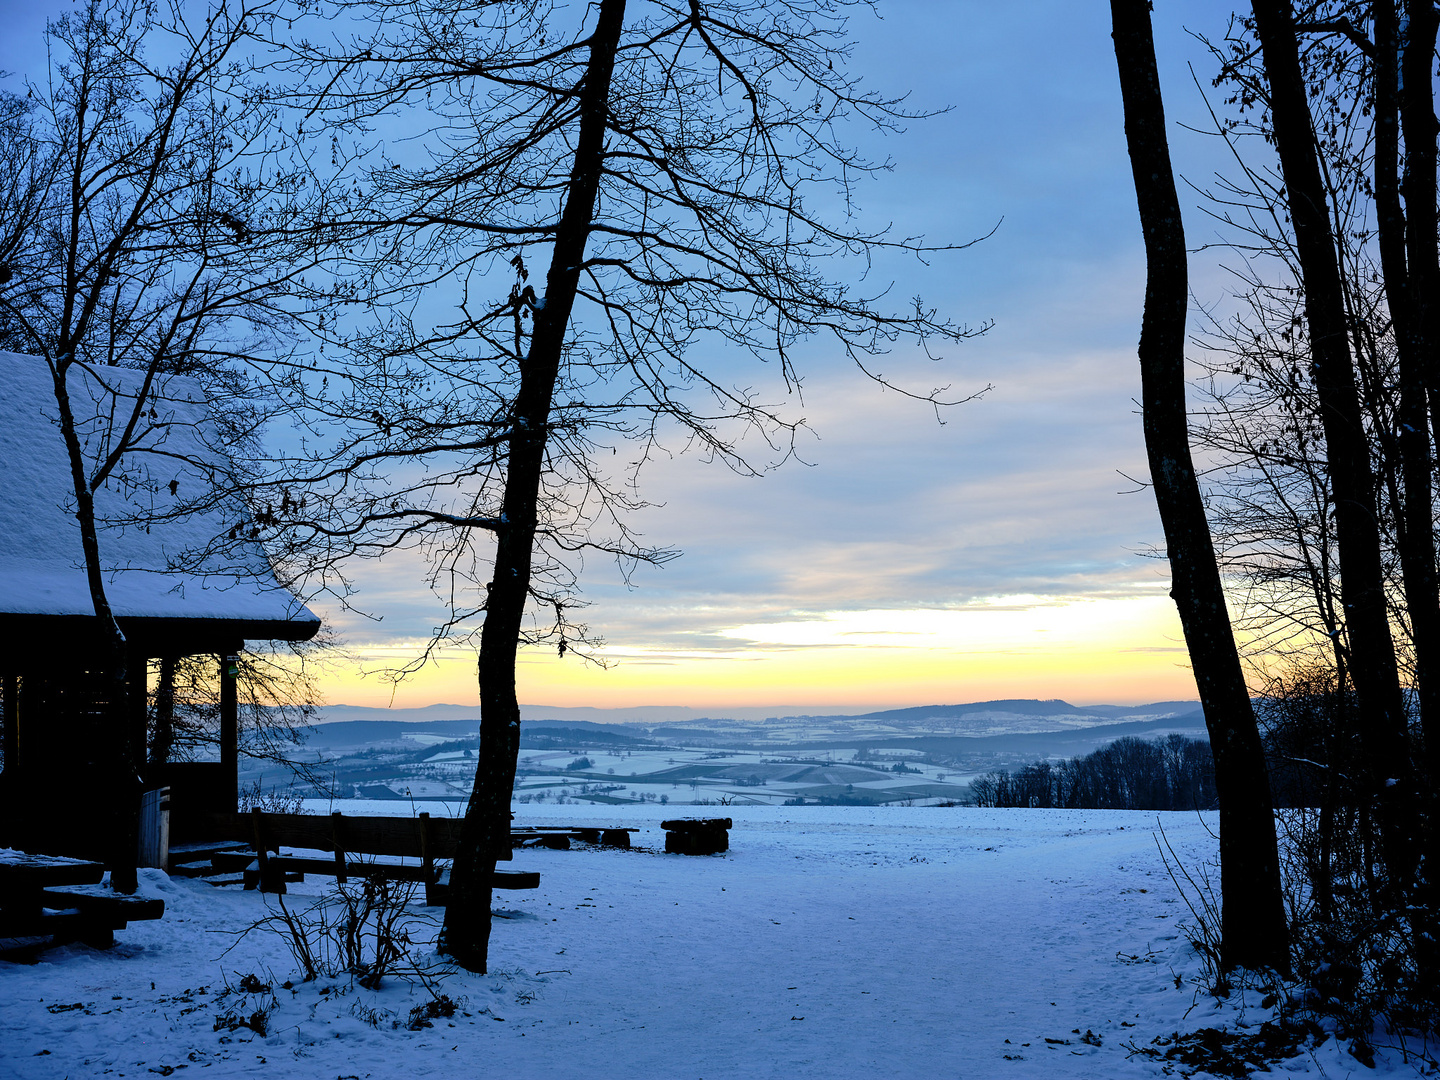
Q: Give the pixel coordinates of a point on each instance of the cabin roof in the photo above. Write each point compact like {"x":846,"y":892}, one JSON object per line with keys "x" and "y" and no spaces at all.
{"x":165,"y":518}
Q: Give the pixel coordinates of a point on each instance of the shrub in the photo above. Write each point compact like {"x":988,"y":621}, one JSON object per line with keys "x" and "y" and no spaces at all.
{"x":362,"y":928}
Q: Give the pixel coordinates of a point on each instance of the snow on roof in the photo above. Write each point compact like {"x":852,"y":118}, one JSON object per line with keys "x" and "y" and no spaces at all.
{"x":159,"y":516}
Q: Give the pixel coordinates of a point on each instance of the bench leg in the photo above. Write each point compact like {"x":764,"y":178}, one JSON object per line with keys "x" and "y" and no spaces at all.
{"x":267,"y":875}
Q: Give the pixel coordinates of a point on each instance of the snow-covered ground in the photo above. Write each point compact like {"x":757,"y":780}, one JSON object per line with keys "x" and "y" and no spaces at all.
{"x":835,"y":942}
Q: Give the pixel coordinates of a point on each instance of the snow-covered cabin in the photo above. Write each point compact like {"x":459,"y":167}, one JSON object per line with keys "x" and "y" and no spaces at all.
{"x":178,"y":573}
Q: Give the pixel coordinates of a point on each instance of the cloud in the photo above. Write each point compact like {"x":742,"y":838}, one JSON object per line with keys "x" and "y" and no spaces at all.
{"x":1003,"y":529}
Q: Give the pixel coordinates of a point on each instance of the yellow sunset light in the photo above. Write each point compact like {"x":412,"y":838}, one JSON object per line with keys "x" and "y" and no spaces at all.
{"x":1120,"y":650}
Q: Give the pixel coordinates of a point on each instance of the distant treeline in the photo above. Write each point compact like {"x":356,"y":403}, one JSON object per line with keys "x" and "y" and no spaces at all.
{"x":1174,"y":773}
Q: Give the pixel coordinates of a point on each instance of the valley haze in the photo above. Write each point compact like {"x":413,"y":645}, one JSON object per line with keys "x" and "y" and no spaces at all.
{"x":925,"y":755}
{"x":987,"y":717}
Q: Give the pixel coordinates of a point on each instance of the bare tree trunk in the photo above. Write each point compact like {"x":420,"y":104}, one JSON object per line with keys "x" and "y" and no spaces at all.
{"x":1253,"y":930}
{"x":1362,"y":585}
{"x":1407,"y":305}
{"x":1410,"y":94}
{"x":1404,"y":270}
{"x":112,"y":654}
{"x":466,"y":934}
{"x":1419,"y":186}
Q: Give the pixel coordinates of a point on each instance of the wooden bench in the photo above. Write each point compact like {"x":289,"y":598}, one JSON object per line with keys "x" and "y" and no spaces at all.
{"x":48,"y":896}
{"x":353,"y":843}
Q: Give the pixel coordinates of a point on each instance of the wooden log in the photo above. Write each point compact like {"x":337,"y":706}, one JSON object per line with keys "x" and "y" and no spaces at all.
{"x":697,"y":843}
{"x":693,"y":824}
{"x":697,"y":836}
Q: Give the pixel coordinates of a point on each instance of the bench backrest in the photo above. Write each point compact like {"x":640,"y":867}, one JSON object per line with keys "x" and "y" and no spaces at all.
{"x":419,"y":837}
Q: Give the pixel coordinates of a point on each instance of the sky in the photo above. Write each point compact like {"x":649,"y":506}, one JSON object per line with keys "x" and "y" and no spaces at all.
{"x":999,"y":551}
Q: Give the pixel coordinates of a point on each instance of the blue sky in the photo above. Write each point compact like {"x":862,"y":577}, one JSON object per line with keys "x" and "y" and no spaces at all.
{"x":992,"y":556}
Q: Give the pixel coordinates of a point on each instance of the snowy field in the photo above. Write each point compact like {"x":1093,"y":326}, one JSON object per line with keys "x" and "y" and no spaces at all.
{"x":835,"y":942}
{"x":675,"y":775}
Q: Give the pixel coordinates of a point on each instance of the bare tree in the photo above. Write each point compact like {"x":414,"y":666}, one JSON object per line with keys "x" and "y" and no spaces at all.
{"x":1372,"y":658}
{"x":155,"y":220}
{"x":667,"y":163}
{"x":1253,"y":932}
{"x":1323,"y":491}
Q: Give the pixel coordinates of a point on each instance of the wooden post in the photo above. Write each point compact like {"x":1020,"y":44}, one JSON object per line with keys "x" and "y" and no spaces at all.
{"x":11,"y":720}
{"x":427,"y":861}
{"x":272,"y":878}
{"x":337,"y":838}
{"x":230,"y":728}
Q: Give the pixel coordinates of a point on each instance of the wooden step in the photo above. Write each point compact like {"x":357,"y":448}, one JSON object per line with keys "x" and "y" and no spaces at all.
{"x":65,"y":924}
{"x":191,"y":869}
{"x":96,"y":899}
{"x":184,"y":859}
{"x":232,"y":861}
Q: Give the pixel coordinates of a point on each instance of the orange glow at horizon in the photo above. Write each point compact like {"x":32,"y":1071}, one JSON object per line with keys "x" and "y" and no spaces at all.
{"x":1113,"y":651}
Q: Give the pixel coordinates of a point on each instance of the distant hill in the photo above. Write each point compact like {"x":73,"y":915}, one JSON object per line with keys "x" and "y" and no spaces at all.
{"x":331,"y":714}
{"x":651,"y":718}
{"x":1008,"y":726}
{"x":348,"y":733}
{"x":1031,"y":707}
{"x":641,"y":714}
{"x":975,"y":720}
{"x":1071,"y":742}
